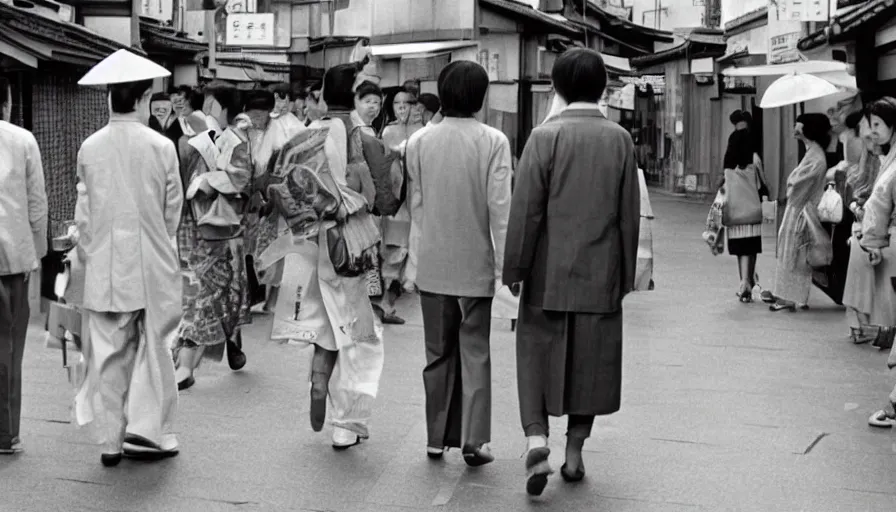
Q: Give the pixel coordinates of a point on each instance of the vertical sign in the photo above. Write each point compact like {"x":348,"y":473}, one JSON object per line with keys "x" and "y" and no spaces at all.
{"x":784,"y":30}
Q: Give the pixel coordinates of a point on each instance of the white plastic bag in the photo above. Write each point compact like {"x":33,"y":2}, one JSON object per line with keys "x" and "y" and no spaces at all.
{"x":830,"y":208}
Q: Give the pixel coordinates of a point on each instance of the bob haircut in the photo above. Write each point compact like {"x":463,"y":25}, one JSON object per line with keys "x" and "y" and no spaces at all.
{"x":816,"y":127}
{"x":283,"y":91}
{"x":462,"y":88}
{"x":337,"y":86}
{"x":580,"y":75}
{"x":368,"y":88}
{"x":885,"y":109}
{"x":430,"y":102}
{"x":740,"y":150}
{"x":124,"y":97}
{"x":260,"y":99}
{"x":227,"y":95}
{"x":853,"y":121}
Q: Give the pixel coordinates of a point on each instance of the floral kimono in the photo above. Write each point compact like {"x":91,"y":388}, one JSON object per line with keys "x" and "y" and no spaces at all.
{"x":210,"y":241}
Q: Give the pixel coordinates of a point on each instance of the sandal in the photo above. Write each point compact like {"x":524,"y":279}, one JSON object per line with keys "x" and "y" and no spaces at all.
{"x":767,"y":297}
{"x":859,"y":337}
{"x":881,"y":419}
{"x":392,"y":319}
{"x":746,"y":297}
{"x":884,"y":339}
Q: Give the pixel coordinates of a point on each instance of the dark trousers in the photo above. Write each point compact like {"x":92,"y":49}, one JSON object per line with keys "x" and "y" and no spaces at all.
{"x":457,"y":377}
{"x":14,"y":314}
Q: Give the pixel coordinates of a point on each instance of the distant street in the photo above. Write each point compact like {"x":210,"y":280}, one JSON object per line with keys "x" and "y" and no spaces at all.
{"x":726,"y":407}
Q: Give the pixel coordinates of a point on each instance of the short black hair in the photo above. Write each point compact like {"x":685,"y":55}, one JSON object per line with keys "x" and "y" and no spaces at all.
{"x":430,"y":102}
{"x":283,"y":91}
{"x":816,"y":127}
{"x":740,"y":150}
{"x":197,"y":98}
{"x":159,"y":96}
{"x":338,"y":83}
{"x":192,"y":95}
{"x":462,"y":88}
{"x":368,"y":88}
{"x":227,"y":95}
{"x":124,"y":97}
{"x":885,"y":109}
{"x":4,"y":91}
{"x":853,"y":120}
{"x":259,"y":99}
{"x":579,"y":74}
{"x":736,"y":116}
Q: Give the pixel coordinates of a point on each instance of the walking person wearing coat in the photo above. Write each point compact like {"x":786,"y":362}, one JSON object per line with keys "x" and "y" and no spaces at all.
{"x":572,"y":241}
{"x":128,"y":209}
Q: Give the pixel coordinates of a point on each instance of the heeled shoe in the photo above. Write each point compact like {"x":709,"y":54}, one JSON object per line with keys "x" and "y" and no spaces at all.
{"x":537,"y":470}
{"x":572,"y":477}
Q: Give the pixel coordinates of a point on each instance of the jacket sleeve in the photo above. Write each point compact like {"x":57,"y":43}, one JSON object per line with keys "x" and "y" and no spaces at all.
{"x":415,"y":208}
{"x":37,"y":198}
{"x":82,"y":206}
{"x":500,"y":174}
{"x":174,"y":192}
{"x":528,"y":206}
{"x":629,"y":218}
{"x":878,"y":212}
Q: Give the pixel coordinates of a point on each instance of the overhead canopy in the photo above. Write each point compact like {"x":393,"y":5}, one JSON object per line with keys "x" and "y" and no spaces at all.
{"x":810,"y":66}
{"x":397,"y":50}
{"x":617,"y":63}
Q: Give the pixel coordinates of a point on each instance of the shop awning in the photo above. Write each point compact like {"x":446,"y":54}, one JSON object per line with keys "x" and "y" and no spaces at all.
{"x":809,"y":67}
{"x":397,"y":50}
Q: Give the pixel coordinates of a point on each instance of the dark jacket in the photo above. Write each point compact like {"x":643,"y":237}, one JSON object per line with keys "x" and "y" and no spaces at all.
{"x":575,"y":214}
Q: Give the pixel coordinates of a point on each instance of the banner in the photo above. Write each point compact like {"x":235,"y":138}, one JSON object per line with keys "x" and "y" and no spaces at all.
{"x":800,"y":10}
{"x":784,"y":30}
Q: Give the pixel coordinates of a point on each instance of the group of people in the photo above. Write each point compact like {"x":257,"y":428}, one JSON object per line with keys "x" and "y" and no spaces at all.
{"x":343,"y":217}
{"x":836,"y":228}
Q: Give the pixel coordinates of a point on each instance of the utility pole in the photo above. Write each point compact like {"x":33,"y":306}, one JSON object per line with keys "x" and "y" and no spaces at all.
{"x":209,"y":8}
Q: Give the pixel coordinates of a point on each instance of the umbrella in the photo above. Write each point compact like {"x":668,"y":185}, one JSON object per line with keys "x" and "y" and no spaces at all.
{"x":796,"y":88}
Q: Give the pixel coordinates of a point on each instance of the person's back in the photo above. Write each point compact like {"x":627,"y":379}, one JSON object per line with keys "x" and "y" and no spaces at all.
{"x":23,"y":201}
{"x":456,"y":251}
{"x":586,"y":160}
{"x":124,"y":168}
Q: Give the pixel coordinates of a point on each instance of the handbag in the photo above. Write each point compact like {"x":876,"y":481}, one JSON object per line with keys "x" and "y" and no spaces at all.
{"x":820,"y":252}
{"x":830,"y":208}
{"x":742,"y":206}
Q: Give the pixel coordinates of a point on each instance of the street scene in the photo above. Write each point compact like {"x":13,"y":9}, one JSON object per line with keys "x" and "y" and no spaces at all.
{"x":434,"y":255}
{"x":725,"y":407}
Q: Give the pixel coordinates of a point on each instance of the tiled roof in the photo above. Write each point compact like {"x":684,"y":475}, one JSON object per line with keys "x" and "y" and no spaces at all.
{"x":626,"y":25}
{"x":848,"y":23}
{"x":699,"y":43}
{"x":549,"y":22}
{"x":158,"y":39}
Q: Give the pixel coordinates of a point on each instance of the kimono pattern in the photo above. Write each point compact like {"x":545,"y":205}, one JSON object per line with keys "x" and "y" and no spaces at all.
{"x":316,"y":305}
{"x":396,"y":228}
{"x":216,"y":290}
{"x":793,"y":277}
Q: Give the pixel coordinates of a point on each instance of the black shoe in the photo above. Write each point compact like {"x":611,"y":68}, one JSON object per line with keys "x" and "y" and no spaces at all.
{"x":478,"y":456}
{"x":538,"y":470}
{"x":186,"y":383}
{"x":236,"y":358}
{"x":572,"y":477}
{"x":110,"y":459}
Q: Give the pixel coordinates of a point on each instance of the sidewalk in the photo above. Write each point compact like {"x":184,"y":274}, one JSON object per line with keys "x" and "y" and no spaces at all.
{"x":726,"y":407}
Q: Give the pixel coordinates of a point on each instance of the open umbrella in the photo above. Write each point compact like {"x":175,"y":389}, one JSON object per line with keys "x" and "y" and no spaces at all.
{"x":796,"y":88}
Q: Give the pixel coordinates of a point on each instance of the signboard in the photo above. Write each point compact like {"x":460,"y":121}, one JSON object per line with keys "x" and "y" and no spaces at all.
{"x":237,"y":6}
{"x":161,"y":10}
{"x":250,"y":29}
{"x":785,"y":29}
{"x":800,"y":10}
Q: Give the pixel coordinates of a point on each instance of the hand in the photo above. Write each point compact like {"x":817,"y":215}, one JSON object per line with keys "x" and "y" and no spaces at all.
{"x":874,"y":256}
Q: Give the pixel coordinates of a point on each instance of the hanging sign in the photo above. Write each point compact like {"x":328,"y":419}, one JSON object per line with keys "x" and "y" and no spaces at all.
{"x":250,"y":29}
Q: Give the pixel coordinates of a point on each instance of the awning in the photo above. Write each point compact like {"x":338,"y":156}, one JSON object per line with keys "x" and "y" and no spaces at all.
{"x":619,"y":64}
{"x":812,"y":67}
{"x":397,"y":50}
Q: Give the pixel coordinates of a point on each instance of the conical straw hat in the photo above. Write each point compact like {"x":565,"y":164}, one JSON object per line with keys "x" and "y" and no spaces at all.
{"x":121,"y":67}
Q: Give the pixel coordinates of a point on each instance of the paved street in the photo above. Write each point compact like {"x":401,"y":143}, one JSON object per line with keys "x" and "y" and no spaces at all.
{"x":726,"y":406}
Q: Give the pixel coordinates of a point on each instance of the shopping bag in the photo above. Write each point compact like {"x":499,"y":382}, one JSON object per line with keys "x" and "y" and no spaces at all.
{"x":830,"y":208}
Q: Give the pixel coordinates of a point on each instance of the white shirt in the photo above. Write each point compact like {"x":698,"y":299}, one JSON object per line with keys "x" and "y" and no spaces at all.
{"x":23,"y":201}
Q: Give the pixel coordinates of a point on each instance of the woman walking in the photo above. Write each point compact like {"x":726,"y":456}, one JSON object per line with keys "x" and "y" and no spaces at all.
{"x":878,"y":228}
{"x":793,"y":277}
{"x":743,"y":210}
{"x":572,"y":241}
{"x":210,"y":239}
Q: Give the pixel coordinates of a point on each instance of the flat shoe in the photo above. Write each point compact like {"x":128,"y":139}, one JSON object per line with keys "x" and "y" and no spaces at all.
{"x":186,"y":383}
{"x":110,"y":459}
{"x":478,"y":457}
{"x":881,"y":420}
{"x":393,"y":319}
{"x":236,"y":358}
{"x":537,"y":470}
{"x":573,"y":477}
{"x":435,"y":453}
{"x":344,"y":439}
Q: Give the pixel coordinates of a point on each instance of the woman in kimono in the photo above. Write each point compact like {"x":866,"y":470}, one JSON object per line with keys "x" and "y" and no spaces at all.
{"x":858,"y":293}
{"x":396,"y":228}
{"x":878,"y":227}
{"x":325,"y":306}
{"x":210,"y":239}
{"x":793,"y":277}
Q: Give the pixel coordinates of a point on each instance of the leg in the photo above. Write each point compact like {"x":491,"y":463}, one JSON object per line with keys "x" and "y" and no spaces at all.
{"x":114,"y":339}
{"x":442,"y":318}
{"x":14,"y":315}
{"x":322,"y":365}
{"x":578,"y":429}
{"x":751,"y":265}
{"x":476,"y":378}
{"x":189,"y":355}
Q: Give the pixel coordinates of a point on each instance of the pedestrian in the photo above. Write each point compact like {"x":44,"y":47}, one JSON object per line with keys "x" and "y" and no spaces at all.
{"x":23,"y":242}
{"x":284,"y":104}
{"x":743,"y":209}
{"x":128,"y":208}
{"x":211,"y":239}
{"x":460,"y":173}
{"x":186,"y":103}
{"x":396,"y":229}
{"x":572,"y":242}
{"x":164,"y":120}
{"x":801,"y":230}
{"x":878,"y":226}
{"x":325,"y":303}
{"x":430,"y":107}
{"x":858,"y":293}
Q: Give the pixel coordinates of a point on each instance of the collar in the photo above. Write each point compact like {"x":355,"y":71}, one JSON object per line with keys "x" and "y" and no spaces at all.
{"x":583,"y":105}
{"x":130,"y":117}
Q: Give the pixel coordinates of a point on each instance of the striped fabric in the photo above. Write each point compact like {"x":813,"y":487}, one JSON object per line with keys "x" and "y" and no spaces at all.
{"x":745,"y":231}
